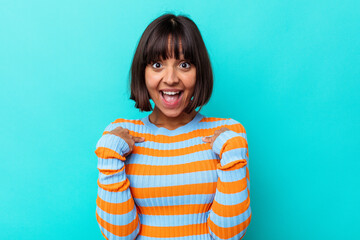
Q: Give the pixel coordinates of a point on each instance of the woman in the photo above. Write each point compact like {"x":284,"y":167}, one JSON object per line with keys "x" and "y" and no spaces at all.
{"x":174,"y":174}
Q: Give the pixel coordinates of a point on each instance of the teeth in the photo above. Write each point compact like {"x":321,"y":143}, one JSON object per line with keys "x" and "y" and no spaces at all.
{"x":170,"y":93}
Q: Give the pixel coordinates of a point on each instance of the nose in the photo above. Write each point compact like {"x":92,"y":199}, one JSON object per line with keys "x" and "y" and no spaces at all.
{"x":171,"y":77}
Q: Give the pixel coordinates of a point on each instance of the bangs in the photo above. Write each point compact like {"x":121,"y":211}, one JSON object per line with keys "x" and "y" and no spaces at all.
{"x":170,"y":36}
{"x":167,"y":43}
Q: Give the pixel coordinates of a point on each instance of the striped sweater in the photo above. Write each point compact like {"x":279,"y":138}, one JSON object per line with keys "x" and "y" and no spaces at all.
{"x":173,"y":185}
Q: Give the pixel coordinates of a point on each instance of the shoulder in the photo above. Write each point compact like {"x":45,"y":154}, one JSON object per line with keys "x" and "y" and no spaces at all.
{"x":236,"y":126}
{"x":229,"y":123}
{"x":129,"y":124}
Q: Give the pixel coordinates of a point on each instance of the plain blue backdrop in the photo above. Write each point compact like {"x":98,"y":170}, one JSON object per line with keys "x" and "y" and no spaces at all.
{"x":287,"y":70}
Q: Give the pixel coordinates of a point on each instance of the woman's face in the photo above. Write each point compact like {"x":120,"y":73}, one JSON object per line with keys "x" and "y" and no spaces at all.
{"x":171,"y":84}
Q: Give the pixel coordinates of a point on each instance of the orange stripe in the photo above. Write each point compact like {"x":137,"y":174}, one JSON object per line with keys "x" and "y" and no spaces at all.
{"x":181,"y":137}
{"x":115,"y":208}
{"x":120,"y":231}
{"x":142,"y":169}
{"x":111,"y":171}
{"x":226,"y":233}
{"x":181,"y":190}
{"x":115,"y":187}
{"x":139,"y":122}
{"x":233,"y":143}
{"x":232,"y":187}
{"x":236,"y":142}
{"x":176,"y":209}
{"x":237,"y":164}
{"x":184,"y":136}
{"x":247,"y":173}
{"x":177,"y":231}
{"x":134,"y":121}
{"x":103,"y":152}
{"x":171,"y":152}
{"x":212,"y":119}
{"x":231,"y":210}
{"x":238,"y":127}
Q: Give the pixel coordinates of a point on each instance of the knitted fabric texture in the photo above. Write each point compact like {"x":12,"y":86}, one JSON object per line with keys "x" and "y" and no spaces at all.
{"x":174,"y":185}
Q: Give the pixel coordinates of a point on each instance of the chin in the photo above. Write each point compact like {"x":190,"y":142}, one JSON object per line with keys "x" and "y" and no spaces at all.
{"x":173,"y":112}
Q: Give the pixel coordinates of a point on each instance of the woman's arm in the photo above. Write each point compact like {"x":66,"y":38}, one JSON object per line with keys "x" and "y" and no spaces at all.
{"x":116,"y":211}
{"x":230,"y":213}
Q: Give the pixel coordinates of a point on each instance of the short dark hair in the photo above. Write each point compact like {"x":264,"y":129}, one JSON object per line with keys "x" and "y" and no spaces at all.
{"x":153,"y":45}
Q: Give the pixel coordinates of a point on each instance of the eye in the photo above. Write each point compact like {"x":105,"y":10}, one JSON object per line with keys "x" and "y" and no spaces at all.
{"x":156,"y":65}
{"x":185,"y":65}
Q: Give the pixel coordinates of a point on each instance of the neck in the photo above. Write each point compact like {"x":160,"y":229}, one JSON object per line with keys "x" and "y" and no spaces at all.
{"x":171,"y":123}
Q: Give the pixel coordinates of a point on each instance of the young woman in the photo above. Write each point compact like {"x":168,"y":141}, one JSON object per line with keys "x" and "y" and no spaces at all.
{"x":174,"y":174}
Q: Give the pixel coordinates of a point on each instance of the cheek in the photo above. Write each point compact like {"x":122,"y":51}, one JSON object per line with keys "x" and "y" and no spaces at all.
{"x":190,"y":80}
{"x":150,"y":80}
{"x":151,"y":85}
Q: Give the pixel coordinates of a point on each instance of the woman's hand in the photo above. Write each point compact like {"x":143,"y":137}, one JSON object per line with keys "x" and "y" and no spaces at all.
{"x":213,"y":137}
{"x":129,"y":139}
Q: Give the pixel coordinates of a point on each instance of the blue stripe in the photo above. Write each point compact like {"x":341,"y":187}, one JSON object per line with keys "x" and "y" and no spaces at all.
{"x":236,"y":237}
{"x":232,"y":176}
{"x":113,"y":178}
{"x":222,"y":139}
{"x":173,"y":145}
{"x":177,"y":200}
{"x":231,"y":199}
{"x":143,"y":129}
{"x":114,"y":197}
{"x":117,"y":219}
{"x":227,"y":222}
{"x":194,"y":237}
{"x":111,"y":236}
{"x":173,"y":220}
{"x":114,"y":143}
{"x":147,"y":181}
{"x":168,"y":161}
{"x":233,"y":155}
{"x":109,"y":164}
{"x":127,"y":125}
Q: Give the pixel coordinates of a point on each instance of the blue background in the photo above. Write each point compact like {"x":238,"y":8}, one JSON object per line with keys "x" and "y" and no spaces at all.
{"x":287,"y":70}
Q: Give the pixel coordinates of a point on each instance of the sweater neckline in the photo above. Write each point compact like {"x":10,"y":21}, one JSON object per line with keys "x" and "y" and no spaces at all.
{"x":181,"y":129}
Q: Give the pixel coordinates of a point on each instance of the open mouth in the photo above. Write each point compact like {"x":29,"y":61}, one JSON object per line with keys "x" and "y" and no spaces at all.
{"x":171,"y":98}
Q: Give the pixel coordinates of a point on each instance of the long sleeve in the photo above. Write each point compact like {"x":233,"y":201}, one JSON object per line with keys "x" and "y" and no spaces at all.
{"x":230,"y":212}
{"x":116,"y":211}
